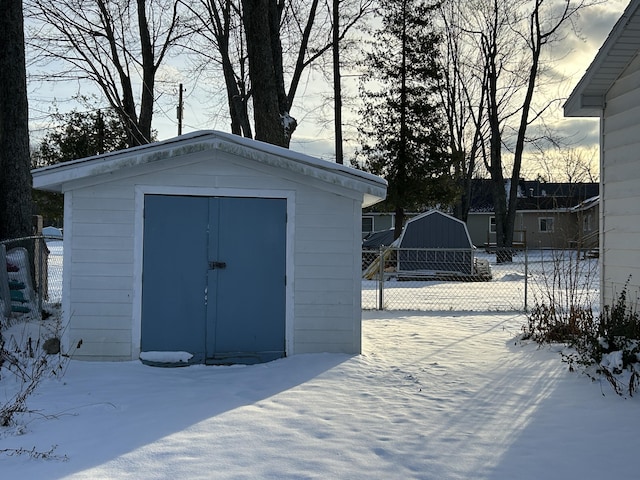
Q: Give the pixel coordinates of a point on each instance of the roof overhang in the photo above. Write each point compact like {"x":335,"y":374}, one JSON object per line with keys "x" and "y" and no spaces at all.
{"x":62,"y":177}
{"x":615,"y":55}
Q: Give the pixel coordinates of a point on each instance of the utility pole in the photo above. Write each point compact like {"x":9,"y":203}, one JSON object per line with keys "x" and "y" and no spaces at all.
{"x":180,"y":110}
{"x":100,"y":128}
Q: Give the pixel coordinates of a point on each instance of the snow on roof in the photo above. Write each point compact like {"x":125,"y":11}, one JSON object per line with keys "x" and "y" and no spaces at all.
{"x":586,"y":204}
{"x":54,"y":177}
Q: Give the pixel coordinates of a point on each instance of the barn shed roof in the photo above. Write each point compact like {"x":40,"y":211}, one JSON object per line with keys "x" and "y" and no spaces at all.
{"x":617,"y":52}
{"x":58,"y":177}
{"x":435,"y":229}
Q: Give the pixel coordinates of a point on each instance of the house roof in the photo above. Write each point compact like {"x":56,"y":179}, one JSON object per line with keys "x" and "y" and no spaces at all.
{"x":617,"y":52}
{"x":60,"y":177}
{"x":534,"y":195}
{"x":587,"y":204}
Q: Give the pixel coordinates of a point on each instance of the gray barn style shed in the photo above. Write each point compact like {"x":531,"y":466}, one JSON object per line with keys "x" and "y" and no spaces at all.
{"x":212,"y":246}
{"x":436,"y":242}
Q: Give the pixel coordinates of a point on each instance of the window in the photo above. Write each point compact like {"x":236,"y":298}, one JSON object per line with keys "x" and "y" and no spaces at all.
{"x":367,"y":224}
{"x":492,"y":224}
{"x":545,"y":224}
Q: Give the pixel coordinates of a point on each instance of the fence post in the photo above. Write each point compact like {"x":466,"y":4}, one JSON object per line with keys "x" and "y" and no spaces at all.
{"x":5,"y":292}
{"x":381,"y":280}
{"x":39,"y":247}
{"x":526,"y":278}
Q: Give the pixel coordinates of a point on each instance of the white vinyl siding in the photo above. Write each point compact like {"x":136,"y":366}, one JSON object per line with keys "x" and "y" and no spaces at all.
{"x":325,"y":254}
{"x":620,"y":195}
{"x":324,"y":272}
{"x":101,"y":272}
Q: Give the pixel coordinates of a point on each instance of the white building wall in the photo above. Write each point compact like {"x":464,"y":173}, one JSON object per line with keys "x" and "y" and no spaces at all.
{"x":104,"y":233}
{"x":99,"y":272}
{"x":620,"y":186}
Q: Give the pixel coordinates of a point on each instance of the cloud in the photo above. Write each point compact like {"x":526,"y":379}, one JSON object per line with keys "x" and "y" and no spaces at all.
{"x":593,"y":26}
{"x":578,"y":131}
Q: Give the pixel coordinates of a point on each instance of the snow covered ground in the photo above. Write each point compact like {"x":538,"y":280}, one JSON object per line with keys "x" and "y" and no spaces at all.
{"x":432,"y":396}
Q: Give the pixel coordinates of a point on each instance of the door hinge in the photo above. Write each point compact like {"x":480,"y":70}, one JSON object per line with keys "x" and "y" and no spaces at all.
{"x":217,"y":265}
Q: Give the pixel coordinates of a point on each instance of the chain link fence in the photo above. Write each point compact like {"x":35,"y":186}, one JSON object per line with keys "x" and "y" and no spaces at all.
{"x":393,"y":278}
{"x":459,"y":280}
{"x":30,"y":275}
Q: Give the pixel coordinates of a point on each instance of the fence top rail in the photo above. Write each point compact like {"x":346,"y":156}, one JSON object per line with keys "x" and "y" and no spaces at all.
{"x":421,"y":249}
{"x":30,"y":237}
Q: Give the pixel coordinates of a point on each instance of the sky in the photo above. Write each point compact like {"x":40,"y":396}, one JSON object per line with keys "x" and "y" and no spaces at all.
{"x":314,"y":136}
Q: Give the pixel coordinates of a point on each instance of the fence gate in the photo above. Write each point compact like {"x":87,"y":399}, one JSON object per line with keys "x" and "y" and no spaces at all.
{"x":214,"y":277}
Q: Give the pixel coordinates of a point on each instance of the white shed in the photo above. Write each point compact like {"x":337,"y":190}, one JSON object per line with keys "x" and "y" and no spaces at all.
{"x":610,"y":90}
{"x":229,"y":249}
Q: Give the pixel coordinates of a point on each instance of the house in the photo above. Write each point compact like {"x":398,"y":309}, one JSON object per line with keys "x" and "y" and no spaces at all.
{"x":610,"y":91}
{"x":546,"y":214}
{"x":588,"y":221}
{"x":212,"y":247}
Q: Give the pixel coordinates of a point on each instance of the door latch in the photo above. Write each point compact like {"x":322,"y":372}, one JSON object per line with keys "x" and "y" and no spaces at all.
{"x":218,"y":265}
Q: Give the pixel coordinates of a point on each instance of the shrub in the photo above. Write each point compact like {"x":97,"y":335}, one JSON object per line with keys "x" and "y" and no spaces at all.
{"x":25,"y":364}
{"x":608,"y":344}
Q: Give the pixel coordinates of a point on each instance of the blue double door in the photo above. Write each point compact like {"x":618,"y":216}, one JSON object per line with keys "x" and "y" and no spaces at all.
{"x":213,"y":281}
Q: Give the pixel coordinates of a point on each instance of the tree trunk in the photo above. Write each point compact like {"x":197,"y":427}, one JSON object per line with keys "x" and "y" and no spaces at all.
{"x":398,"y":222}
{"x":503,"y":242}
{"x":261,"y":21}
{"x":236,"y":99}
{"x":402,"y":150}
{"x":148,"y":76}
{"x":337,"y":90}
{"x":15,"y":174}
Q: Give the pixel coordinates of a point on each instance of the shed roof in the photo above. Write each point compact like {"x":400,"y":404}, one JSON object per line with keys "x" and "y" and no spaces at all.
{"x":435,"y":229}
{"x":60,"y":177}
{"x":617,"y":52}
{"x":375,"y":239}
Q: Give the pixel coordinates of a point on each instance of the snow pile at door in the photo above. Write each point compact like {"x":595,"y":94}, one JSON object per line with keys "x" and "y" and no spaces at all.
{"x":166,"y":357}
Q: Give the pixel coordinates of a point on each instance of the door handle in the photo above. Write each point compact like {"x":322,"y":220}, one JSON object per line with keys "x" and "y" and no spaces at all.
{"x":218,"y":265}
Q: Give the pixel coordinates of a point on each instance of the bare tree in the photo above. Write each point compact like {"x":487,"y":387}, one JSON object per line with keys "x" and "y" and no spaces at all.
{"x":511,"y":36}
{"x":570,"y":165}
{"x":118,"y":45}
{"x":463,"y":101}
{"x":15,"y":175}
{"x":271,"y":107}
{"x":263,"y":48}
{"x":218,"y":24}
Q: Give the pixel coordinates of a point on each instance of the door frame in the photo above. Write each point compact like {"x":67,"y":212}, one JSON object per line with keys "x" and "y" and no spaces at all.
{"x":138,"y":242}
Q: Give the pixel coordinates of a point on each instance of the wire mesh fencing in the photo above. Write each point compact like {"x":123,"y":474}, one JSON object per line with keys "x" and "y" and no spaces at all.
{"x":30,"y":275}
{"x":393,"y":278}
{"x":469,"y":280}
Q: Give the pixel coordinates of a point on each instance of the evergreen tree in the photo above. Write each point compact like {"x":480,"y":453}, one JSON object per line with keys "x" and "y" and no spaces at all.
{"x":404,"y":138}
{"x":79,"y":135}
{"x":76,"y":135}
